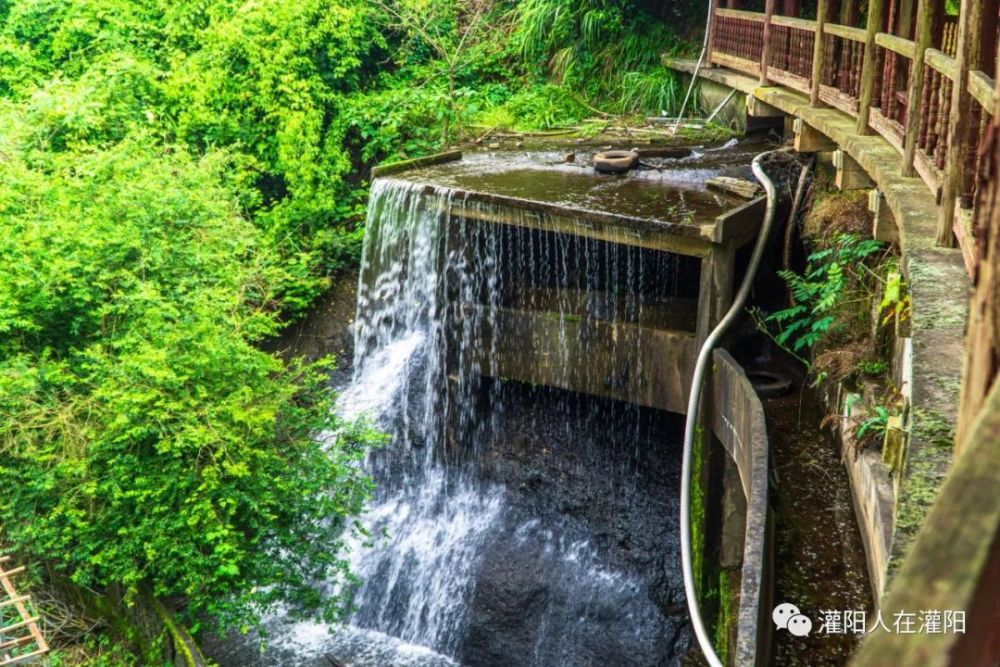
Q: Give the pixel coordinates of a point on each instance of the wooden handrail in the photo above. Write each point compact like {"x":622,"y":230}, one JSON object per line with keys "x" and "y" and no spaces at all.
{"x":903,"y":47}
{"x":739,"y":14}
{"x":941,"y":63}
{"x":845,"y":32}
{"x":984,"y":90}
{"x":792,"y":22}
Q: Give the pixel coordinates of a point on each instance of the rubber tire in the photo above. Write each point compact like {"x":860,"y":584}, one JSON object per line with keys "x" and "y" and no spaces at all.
{"x":769,"y":384}
{"x":615,"y":162}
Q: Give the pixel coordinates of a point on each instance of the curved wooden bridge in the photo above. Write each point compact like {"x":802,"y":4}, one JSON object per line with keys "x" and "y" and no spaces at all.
{"x":901,"y":96}
{"x":920,"y":78}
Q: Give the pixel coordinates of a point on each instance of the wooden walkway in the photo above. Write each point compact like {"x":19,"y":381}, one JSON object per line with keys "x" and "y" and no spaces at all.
{"x":21,"y":641}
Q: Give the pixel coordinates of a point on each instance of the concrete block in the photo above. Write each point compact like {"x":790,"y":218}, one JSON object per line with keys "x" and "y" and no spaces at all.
{"x":849,"y":174}
{"x":885,"y":227}
{"x":810,"y":140}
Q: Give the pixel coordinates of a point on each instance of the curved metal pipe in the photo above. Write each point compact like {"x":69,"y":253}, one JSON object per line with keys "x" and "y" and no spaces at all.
{"x":690,"y":426}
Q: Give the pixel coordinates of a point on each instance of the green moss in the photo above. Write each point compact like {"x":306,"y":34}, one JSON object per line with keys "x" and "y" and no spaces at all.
{"x":698,"y":514}
{"x":726,"y":618}
{"x":928,"y":459}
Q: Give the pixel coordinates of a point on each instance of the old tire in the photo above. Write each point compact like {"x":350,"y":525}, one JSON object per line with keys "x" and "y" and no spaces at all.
{"x":769,"y":384}
{"x":615,"y":162}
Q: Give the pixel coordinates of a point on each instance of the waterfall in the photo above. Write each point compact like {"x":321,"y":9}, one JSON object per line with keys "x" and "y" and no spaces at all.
{"x":434,"y":276}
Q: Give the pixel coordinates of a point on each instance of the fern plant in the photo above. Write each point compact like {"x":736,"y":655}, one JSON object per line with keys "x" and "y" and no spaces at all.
{"x":817,"y":293}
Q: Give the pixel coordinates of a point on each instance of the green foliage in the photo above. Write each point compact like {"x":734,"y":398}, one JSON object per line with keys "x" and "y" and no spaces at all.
{"x":873,"y":426}
{"x":896,"y":304}
{"x":180,"y":178}
{"x":607,"y":50}
{"x":829,"y":278}
{"x":144,"y":439}
{"x":876,"y":368}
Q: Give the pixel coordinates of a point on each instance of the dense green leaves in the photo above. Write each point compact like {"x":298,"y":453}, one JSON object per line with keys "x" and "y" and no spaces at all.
{"x":144,"y":439}
{"x":178,"y":178}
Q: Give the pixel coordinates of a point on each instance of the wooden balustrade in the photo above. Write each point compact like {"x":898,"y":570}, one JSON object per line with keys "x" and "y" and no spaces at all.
{"x":738,"y":40}
{"x":843,"y":61}
{"x":892,"y":85}
{"x":793,"y":42}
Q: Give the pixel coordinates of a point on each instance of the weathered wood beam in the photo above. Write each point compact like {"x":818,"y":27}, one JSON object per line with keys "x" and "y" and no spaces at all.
{"x":959,"y":126}
{"x":982,"y":347}
{"x":819,"y":51}
{"x":922,"y":42}
{"x":765,"y":56}
{"x":393,"y":168}
{"x":868,"y":70}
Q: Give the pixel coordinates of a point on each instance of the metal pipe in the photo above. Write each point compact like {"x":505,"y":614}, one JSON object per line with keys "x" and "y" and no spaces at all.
{"x":704,"y":355}
{"x":697,"y":68}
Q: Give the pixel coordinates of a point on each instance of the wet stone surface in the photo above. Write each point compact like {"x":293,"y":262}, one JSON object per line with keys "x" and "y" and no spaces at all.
{"x":585,"y":568}
{"x":664,"y":189}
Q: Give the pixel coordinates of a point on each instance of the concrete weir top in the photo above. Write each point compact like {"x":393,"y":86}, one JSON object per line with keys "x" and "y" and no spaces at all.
{"x":662,"y":205}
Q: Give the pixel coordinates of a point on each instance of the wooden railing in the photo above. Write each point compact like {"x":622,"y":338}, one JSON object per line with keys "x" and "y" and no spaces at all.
{"x":843,"y":60}
{"x":21,"y":642}
{"x":840,"y":72}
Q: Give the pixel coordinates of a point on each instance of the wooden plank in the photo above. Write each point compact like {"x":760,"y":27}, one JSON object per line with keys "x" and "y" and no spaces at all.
{"x":959,"y":129}
{"x":12,"y":601}
{"x":845,"y":32}
{"x":416,"y":163}
{"x":925,"y":13}
{"x":738,"y":64}
{"x":11,"y":573}
{"x":868,"y":69}
{"x":903,"y":47}
{"x":7,"y":629}
{"x":791,"y":22}
{"x":890,"y":130}
{"x":929,"y":172}
{"x":619,"y":231}
{"x":17,"y":641}
{"x":839,"y":100}
{"x":954,"y":563}
{"x":25,"y":659}
{"x":940,"y":63}
{"x":793,"y":81}
{"x":756,"y":17}
{"x":819,"y":52}
{"x":983,"y":89}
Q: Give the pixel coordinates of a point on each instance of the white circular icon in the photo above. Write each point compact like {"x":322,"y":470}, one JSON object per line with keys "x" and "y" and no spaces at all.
{"x":800,"y":625}
{"x":783,"y":612}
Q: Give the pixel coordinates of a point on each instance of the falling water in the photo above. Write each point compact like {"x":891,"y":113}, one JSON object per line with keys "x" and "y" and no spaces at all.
{"x":432,"y":282}
{"x":512,"y":524}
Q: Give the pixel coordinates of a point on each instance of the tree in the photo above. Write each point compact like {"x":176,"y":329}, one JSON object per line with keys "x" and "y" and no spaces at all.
{"x":145,"y":440}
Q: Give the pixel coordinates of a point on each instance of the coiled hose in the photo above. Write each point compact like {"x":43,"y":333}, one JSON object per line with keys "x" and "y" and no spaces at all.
{"x":690,"y":426}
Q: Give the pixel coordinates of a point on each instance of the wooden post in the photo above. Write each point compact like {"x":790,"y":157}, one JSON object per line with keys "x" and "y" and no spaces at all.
{"x":922,"y":42}
{"x":849,"y":13}
{"x":765,"y":57}
{"x":982,"y":344}
{"x":966,"y":59}
{"x":868,"y":70}
{"x":710,"y":44}
{"x":819,"y":50}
